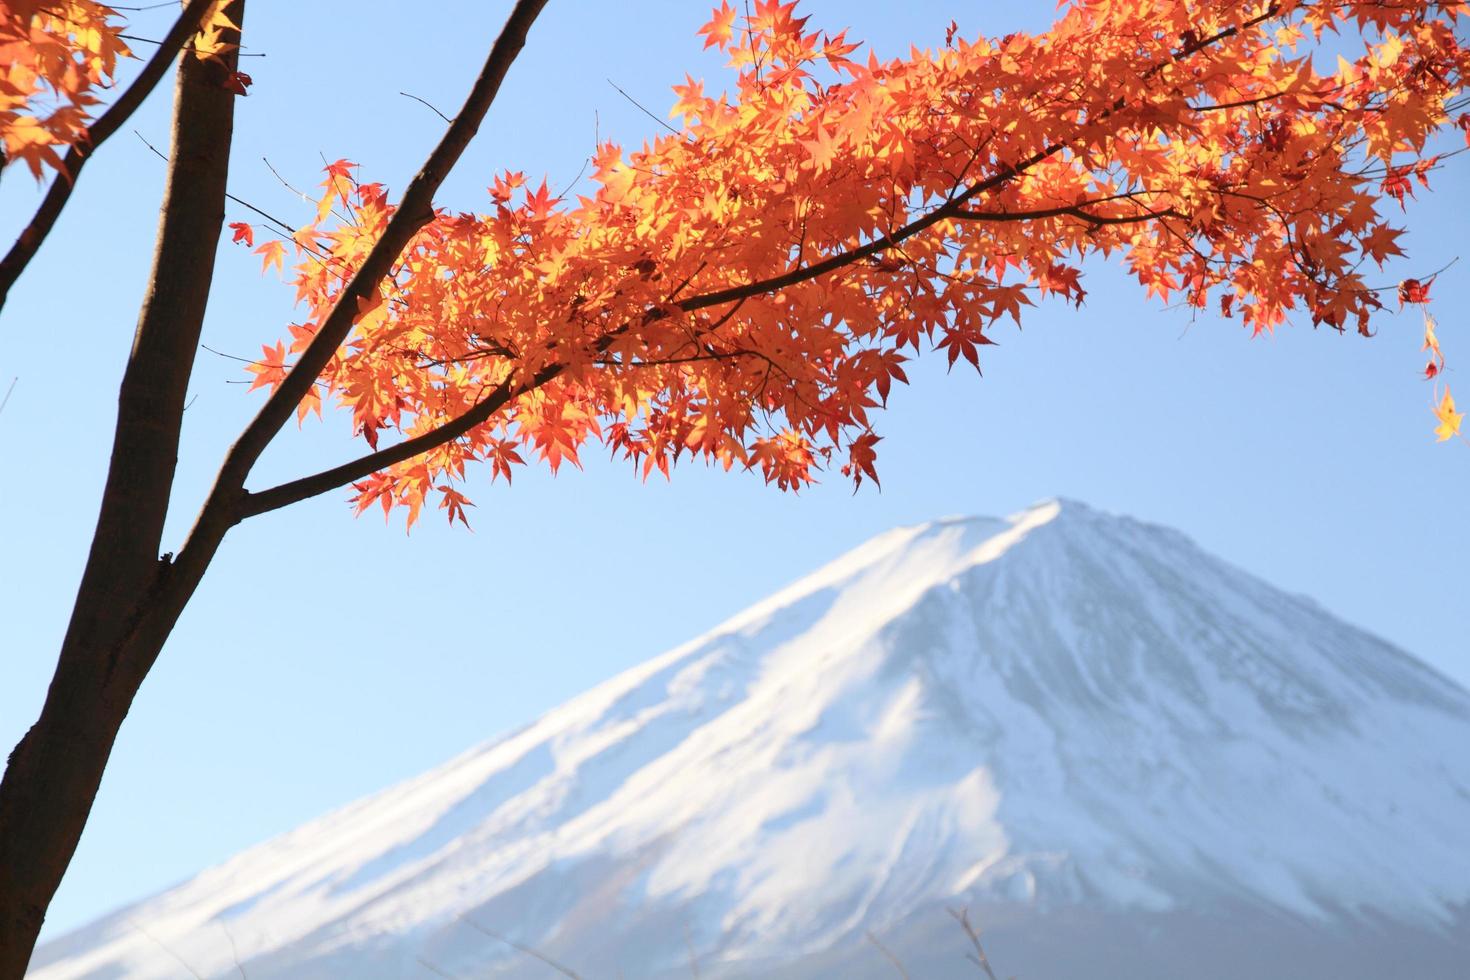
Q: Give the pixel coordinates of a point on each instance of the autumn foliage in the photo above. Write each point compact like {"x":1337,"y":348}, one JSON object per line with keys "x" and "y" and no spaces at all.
{"x":747,"y":288}
{"x":54,"y":56}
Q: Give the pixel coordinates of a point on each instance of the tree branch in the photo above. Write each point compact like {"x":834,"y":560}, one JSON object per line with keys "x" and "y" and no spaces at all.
{"x":881,"y":244}
{"x":128,"y":600}
{"x":252,"y":504}
{"x":414,"y":211}
{"x":1073,"y":210}
{"x":109,"y":122}
{"x":953,"y":206}
{"x":338,"y":476}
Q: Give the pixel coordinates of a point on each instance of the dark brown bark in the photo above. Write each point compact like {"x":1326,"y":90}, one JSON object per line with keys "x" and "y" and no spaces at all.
{"x":130,"y":598}
{"x":118,"y":623}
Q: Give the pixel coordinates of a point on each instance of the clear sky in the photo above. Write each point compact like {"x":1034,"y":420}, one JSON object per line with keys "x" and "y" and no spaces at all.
{"x":325,"y":656}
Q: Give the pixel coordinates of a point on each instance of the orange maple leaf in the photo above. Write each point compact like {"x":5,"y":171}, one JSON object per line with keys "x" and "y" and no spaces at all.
{"x":273,"y":253}
{"x":720,"y":28}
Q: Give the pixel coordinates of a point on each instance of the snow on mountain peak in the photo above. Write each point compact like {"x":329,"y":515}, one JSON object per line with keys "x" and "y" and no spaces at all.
{"x":1059,"y":710}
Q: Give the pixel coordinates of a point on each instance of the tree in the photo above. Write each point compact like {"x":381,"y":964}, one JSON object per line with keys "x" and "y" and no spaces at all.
{"x":743,"y":289}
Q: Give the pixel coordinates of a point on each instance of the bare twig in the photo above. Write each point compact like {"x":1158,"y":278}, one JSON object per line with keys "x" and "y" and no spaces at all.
{"x":888,"y":953}
{"x":641,"y":108}
{"x":962,"y":916}
{"x":149,"y":40}
{"x":284,"y":182}
{"x":6,"y":400}
{"x":163,"y":946}
{"x":431,"y":107}
{"x":529,"y":951}
{"x":234,"y":950}
{"x":243,"y":203}
{"x":689,"y":945}
{"x":434,"y":969}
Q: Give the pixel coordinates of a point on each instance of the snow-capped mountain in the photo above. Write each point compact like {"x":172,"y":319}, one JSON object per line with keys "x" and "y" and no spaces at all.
{"x":1126,"y":757}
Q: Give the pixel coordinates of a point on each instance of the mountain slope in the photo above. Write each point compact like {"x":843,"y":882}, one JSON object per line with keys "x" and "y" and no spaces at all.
{"x":1098,"y":736}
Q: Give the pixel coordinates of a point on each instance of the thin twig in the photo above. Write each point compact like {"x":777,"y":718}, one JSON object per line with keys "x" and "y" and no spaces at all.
{"x":430,"y":106}
{"x":245,"y":360}
{"x":233,"y":357}
{"x":434,"y":969}
{"x":192,"y":972}
{"x":149,"y":40}
{"x":962,"y":916}
{"x":6,"y":400}
{"x":689,"y":945}
{"x":897,"y":963}
{"x":284,"y":182}
{"x":243,"y":203}
{"x":234,"y":950}
{"x":641,"y":108}
{"x":559,"y":968}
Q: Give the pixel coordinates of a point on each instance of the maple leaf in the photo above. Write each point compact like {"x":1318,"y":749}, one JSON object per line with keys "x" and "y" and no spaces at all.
{"x":338,"y":187}
{"x":823,"y":148}
{"x":720,"y":28}
{"x":503,"y":186}
{"x":270,"y":370}
{"x":273,"y":253}
{"x":1414,"y":291}
{"x":454,"y":503}
{"x":243,"y":233}
{"x":861,"y":458}
{"x":1397,"y":185}
{"x":237,"y":83}
{"x":26,"y":139}
{"x":1381,"y":243}
{"x":209,"y":42}
{"x":1449,"y":419}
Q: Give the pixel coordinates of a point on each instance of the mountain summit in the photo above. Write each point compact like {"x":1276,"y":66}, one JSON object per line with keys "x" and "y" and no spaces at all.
{"x":1125,"y":756}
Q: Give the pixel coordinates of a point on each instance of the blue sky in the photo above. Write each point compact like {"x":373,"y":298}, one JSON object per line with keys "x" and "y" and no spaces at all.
{"x":327,"y":656}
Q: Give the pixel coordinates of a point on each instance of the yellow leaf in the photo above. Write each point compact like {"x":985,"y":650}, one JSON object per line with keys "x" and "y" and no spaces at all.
{"x":1449,"y":419}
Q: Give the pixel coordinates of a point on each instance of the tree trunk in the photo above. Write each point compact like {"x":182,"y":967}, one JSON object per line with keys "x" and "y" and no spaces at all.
{"x":129,"y":598}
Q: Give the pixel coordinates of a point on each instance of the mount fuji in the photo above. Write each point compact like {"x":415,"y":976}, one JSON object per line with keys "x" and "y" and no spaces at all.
{"x":1124,"y":756}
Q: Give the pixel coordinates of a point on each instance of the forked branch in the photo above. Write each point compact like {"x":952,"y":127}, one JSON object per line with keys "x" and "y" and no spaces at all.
{"x":414,"y":211}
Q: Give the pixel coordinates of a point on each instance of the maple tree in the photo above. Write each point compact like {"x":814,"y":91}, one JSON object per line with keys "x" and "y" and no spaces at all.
{"x":744,"y":290}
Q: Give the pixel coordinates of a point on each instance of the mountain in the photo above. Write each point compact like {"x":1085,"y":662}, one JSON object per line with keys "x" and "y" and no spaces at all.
{"x":1126,"y":757}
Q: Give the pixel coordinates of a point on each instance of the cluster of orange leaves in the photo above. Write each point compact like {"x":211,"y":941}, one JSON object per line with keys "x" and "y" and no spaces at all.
{"x":54,"y":57}
{"x":747,"y":289}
